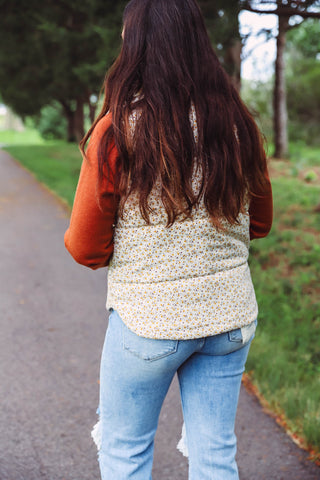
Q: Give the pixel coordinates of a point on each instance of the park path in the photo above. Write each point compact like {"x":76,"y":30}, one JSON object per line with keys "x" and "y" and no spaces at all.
{"x":53,"y":321}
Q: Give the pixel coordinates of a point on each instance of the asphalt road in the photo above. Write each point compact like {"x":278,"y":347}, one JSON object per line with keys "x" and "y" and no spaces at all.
{"x":53,"y":321}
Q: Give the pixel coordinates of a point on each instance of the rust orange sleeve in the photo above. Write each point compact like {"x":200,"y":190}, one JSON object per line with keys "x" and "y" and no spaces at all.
{"x":89,"y":238}
{"x":261,"y":212}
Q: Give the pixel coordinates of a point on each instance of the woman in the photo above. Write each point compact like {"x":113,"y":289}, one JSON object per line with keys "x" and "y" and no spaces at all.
{"x":173,"y":186}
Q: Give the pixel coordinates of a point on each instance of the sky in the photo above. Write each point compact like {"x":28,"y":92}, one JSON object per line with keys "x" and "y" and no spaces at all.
{"x":259,"y":64}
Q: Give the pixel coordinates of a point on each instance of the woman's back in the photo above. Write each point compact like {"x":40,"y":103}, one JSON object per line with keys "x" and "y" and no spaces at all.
{"x":192,"y":280}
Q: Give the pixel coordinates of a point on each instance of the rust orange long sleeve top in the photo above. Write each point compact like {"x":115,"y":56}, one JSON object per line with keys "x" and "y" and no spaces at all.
{"x":89,"y":238}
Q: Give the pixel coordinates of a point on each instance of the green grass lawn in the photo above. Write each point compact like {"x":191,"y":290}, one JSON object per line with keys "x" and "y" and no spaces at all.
{"x":284,"y":361}
{"x":27,"y":137}
{"x":285,"y":356}
{"x":55,"y":163}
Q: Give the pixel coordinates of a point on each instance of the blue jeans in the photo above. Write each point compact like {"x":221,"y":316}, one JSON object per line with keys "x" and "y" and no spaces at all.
{"x":135,"y":376}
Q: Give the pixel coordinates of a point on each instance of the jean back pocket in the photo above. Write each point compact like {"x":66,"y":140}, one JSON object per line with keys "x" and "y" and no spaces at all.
{"x":148,"y":349}
{"x":243,"y":335}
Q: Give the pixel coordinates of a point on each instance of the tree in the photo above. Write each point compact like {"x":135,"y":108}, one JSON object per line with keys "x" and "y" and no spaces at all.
{"x":56,"y":50}
{"x":303,"y":74}
{"x":59,"y":50}
{"x":222,"y":20}
{"x":287,"y":11}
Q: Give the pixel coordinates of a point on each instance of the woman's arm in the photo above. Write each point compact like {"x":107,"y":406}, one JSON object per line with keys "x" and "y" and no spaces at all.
{"x":261,"y":212}
{"x":89,"y":238}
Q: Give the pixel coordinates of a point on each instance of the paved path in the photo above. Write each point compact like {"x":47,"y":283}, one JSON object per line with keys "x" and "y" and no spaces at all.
{"x":53,"y":322}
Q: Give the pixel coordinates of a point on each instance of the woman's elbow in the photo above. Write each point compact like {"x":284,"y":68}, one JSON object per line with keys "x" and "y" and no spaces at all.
{"x":85,"y":256}
{"x":260,"y":230}
{"x":88,"y":260}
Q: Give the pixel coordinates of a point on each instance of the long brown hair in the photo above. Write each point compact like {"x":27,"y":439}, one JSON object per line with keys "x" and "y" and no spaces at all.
{"x":165,"y":66}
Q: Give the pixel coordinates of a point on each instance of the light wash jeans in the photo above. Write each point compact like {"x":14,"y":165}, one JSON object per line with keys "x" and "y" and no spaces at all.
{"x":135,"y":376}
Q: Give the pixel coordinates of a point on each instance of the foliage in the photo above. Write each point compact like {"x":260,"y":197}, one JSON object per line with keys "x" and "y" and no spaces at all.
{"x":305,"y":40}
{"x":21,"y":58}
{"x":222,"y":23}
{"x":290,"y":14}
{"x":304,"y":101}
{"x":59,"y":51}
{"x":303,"y":86}
{"x":55,"y":51}
{"x":51,"y":122}
{"x":289,"y":8}
{"x":257,"y":95}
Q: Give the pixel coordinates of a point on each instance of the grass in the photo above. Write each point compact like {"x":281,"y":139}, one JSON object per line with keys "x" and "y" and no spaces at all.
{"x":27,"y":137}
{"x":284,"y":362}
{"x":303,"y":155}
{"x":285,"y":357}
{"x":55,"y":163}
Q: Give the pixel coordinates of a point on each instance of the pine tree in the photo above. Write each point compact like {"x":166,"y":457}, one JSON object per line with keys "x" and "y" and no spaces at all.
{"x":57,"y":50}
{"x":287,"y":11}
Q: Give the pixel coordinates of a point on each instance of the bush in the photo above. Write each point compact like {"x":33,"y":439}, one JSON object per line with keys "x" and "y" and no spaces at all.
{"x":258,"y":98}
{"x":52,"y":123}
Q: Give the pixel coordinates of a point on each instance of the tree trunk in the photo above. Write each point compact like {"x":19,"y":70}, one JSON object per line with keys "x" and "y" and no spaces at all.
{"x":280,"y":98}
{"x":79,"y":120}
{"x":92,"y":107}
{"x":232,"y":61}
{"x":92,"y":112}
{"x":233,"y":42}
{"x":222,"y":21}
{"x":69,"y":114}
{"x":75,"y":119}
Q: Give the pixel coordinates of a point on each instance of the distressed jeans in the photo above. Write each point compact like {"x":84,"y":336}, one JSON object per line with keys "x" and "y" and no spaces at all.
{"x":135,"y":376}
